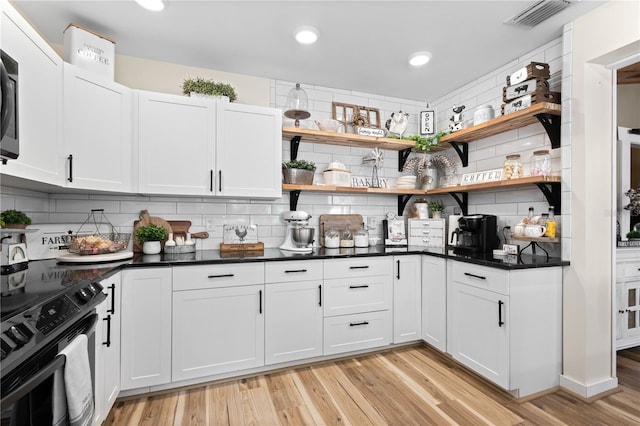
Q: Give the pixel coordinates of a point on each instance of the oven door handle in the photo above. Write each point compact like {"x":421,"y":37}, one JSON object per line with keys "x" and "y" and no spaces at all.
{"x":34,"y":381}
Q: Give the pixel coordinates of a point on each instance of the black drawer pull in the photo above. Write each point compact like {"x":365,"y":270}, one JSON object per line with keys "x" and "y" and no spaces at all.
{"x":295,"y":270}
{"x":500,"y":322}
{"x":359,"y":286}
{"x":320,"y":295}
{"x":359,"y":267}
{"x":398,"y":275}
{"x":260,"y":302}
{"x":355,"y":324}
{"x":113,"y":299}
{"x":108,"y":320}
{"x":221,"y":276}
{"x":475,"y":276}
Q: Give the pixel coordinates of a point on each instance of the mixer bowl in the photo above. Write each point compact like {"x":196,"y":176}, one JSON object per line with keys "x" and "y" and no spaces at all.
{"x":302,"y":237}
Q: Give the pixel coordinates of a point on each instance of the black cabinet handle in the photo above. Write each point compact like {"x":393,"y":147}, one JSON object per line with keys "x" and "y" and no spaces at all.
{"x":221,"y":276}
{"x":359,"y":286}
{"x":355,"y":324}
{"x":295,"y":270}
{"x":70,"y":158}
{"x":210,"y":180}
{"x":359,"y":267}
{"x":113,"y":299}
{"x":398,"y":275}
{"x":260,"y":302}
{"x":500,"y":322}
{"x":475,"y":276}
{"x":108,"y":320}
{"x":219,"y":180}
{"x":320,"y":295}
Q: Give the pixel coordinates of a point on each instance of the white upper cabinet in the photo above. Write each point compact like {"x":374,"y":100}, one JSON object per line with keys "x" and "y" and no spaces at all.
{"x":39,"y":101}
{"x":174,"y":144}
{"x":248,"y":151}
{"x":97,"y":132}
{"x":196,"y":146}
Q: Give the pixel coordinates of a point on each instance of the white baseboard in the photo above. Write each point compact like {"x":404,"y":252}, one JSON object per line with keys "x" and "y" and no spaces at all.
{"x":590,"y":390}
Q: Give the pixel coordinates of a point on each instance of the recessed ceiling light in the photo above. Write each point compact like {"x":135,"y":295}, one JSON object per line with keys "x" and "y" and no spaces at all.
{"x":306,"y":34}
{"x":419,"y":59}
{"x":154,"y":5}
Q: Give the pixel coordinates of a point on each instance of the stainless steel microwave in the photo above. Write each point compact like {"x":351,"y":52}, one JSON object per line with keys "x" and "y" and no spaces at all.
{"x":9,"y":142}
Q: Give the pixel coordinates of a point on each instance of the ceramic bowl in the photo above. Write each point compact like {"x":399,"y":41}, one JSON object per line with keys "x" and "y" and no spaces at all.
{"x":328,"y":125}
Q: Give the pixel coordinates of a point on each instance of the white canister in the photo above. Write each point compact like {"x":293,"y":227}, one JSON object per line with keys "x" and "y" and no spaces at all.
{"x":483,"y":113}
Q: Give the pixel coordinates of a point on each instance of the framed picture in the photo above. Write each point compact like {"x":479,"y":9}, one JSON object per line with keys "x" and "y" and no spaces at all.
{"x":428,"y":122}
{"x":511,"y":248}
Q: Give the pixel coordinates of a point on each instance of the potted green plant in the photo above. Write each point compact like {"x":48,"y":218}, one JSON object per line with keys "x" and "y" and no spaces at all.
{"x":208,"y":87}
{"x":436,"y":208}
{"x":14,"y":219}
{"x":298,"y":172}
{"x":633,"y":235}
{"x":150,"y":237}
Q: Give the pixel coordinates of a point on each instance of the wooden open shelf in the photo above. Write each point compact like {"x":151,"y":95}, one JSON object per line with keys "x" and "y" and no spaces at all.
{"x":503,"y":123}
{"x":352,"y":190}
{"x":532,"y":180}
{"x":536,"y":239}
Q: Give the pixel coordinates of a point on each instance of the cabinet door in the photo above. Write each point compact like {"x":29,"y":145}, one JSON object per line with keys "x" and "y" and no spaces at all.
{"x":97,"y":132}
{"x":145,"y":327}
{"x":111,"y":343}
{"x":174,"y":138}
{"x":407,"y":303}
{"x":99,"y":360}
{"x":479,"y":331}
{"x":293,"y":328}
{"x":39,"y":101}
{"x":629,"y":305}
{"x":248,"y":151}
{"x":434,"y":302}
{"x":217,"y":331}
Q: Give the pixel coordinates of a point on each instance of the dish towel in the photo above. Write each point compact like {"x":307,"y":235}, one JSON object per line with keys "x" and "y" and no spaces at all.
{"x":77,"y":382}
{"x":60,"y":417}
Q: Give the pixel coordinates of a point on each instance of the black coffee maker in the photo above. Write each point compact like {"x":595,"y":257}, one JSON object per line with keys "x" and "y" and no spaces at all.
{"x":475,"y":234}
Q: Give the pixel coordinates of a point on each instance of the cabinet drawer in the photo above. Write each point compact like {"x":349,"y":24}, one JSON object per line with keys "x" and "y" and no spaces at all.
{"x":212,"y":276}
{"x":631,"y":269}
{"x":358,"y":267}
{"x":426,"y":223}
{"x":295,"y":270}
{"x":356,"y":295}
{"x":426,"y":232}
{"x":492,"y":279}
{"x":426,"y":241}
{"x":354,"y":332}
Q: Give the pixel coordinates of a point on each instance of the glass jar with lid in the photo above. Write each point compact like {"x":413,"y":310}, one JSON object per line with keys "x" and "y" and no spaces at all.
{"x":541,"y":163}
{"x":512,"y":168}
{"x":346,"y":238}
{"x":361,"y":237}
{"x":332,"y":238}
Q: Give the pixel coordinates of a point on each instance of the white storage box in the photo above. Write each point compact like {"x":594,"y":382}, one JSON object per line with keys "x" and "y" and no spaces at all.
{"x":89,"y":50}
{"x":337,"y":177}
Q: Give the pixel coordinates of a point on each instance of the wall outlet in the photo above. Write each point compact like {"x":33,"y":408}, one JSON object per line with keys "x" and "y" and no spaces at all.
{"x":210,"y":225}
{"x":372,"y":223}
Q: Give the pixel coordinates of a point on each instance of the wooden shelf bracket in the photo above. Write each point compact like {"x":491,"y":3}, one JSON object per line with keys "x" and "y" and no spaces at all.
{"x":463,"y":151}
{"x":551,"y":124}
{"x":293,"y":199}
{"x":462,"y":198}
{"x":553,"y":193}
{"x":294,"y":144}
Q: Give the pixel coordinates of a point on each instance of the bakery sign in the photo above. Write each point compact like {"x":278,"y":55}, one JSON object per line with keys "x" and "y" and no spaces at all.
{"x":481,"y":177}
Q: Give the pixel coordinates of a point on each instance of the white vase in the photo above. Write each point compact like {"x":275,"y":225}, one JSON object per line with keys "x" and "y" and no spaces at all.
{"x":437,"y":215}
{"x":151,"y":247}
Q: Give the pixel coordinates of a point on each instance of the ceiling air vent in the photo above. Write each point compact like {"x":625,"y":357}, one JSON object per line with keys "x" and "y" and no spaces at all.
{"x":537,"y":12}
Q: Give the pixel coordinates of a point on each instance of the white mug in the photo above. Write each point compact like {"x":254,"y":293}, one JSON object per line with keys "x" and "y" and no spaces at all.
{"x":519,"y":229}
{"x":535,"y":230}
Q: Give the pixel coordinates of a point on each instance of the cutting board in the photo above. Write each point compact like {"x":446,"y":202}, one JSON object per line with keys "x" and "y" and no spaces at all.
{"x":338,"y":221}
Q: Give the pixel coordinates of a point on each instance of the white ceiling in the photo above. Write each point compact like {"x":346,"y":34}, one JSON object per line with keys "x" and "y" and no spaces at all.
{"x":363,"y":45}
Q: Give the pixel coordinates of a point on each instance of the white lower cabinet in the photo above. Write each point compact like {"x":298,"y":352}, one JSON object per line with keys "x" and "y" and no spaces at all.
{"x":293,"y":306}
{"x":506,"y":325}
{"x":627,"y":298}
{"x":217,"y":330}
{"x":434,"y":301}
{"x":107,"y":350}
{"x":357,"y":306}
{"x":407,"y":303}
{"x":145,"y":327}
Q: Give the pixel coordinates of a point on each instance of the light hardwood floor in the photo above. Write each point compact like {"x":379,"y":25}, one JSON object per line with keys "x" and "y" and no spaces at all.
{"x":407,"y":386}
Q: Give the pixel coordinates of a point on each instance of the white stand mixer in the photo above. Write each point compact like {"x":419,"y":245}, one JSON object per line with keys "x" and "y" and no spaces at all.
{"x":299,"y":237}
